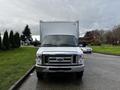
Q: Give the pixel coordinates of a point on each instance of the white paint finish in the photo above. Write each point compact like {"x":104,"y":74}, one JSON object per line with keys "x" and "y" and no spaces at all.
{"x":85,"y":49}
{"x":59,"y":50}
{"x":59,"y":28}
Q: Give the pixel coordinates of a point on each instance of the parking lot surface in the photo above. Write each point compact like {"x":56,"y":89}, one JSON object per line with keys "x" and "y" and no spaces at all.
{"x":102,"y":72}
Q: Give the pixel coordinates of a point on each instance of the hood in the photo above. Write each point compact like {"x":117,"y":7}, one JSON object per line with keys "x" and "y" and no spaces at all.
{"x":59,"y":50}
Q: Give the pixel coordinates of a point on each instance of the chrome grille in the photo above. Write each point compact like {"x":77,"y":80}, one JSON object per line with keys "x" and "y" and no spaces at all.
{"x":59,"y":59}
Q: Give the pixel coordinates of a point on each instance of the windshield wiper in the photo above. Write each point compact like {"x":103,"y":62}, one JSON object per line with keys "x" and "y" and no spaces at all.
{"x":45,"y":45}
{"x":67,"y":45}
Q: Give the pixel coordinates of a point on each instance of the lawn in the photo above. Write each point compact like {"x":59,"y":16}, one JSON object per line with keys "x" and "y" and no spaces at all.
{"x":107,"y":49}
{"x":14,"y":64}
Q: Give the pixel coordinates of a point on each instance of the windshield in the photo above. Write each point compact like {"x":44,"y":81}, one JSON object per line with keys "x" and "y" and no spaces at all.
{"x":59,"y":40}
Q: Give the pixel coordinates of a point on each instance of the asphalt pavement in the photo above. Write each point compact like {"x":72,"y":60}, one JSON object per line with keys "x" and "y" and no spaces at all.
{"x":102,"y":72}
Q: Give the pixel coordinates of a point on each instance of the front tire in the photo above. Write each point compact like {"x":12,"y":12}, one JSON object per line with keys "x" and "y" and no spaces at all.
{"x":79,"y":75}
{"x":40,"y":75}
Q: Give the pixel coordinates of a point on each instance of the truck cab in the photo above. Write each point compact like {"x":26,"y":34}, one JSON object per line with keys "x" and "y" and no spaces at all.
{"x":59,"y":50}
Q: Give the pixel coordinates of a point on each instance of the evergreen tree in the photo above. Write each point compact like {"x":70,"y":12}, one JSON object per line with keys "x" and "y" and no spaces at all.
{"x":23,"y":38}
{"x":11,"y":40}
{"x":27,"y":31}
{"x":6,"y":41}
{"x":26,"y":34}
{"x":17,"y":40}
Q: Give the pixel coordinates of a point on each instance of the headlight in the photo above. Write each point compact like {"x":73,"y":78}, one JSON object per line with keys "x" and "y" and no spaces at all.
{"x":80,"y":59}
{"x":91,"y":49}
{"x":39,"y":59}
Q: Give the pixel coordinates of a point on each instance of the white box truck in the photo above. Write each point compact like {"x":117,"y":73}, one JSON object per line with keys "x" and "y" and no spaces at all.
{"x":59,"y":50}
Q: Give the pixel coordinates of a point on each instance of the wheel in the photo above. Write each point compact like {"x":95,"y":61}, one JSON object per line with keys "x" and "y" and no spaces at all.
{"x":79,"y":75}
{"x":40,"y":75}
{"x":90,"y":52}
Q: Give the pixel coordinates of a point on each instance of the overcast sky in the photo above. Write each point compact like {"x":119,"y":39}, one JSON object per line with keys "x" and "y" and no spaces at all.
{"x":92,"y":14}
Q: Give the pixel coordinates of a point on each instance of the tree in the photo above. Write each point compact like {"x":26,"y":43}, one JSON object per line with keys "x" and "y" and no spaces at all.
{"x":27,"y":32}
{"x":93,"y":37}
{"x":6,"y":41}
{"x":26,"y":37}
{"x":36,"y":43}
{"x":113,"y":36}
{"x":17,"y":40}
{"x":116,"y":35}
{"x":23,"y":38}
{"x":11,"y":40}
{"x":0,"y":42}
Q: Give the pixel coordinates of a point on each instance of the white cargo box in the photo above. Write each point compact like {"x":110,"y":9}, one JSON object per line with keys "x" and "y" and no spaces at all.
{"x":59,"y":28}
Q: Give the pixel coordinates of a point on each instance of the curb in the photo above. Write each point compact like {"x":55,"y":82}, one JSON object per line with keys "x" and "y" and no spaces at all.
{"x":106,"y":53}
{"x":17,"y":84}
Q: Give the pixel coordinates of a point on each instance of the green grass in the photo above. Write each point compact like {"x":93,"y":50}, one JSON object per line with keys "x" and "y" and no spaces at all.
{"x":107,"y":49}
{"x":14,"y":64}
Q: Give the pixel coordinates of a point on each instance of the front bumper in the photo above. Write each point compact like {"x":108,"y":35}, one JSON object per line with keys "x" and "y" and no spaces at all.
{"x":87,"y":51}
{"x":78,"y":68}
